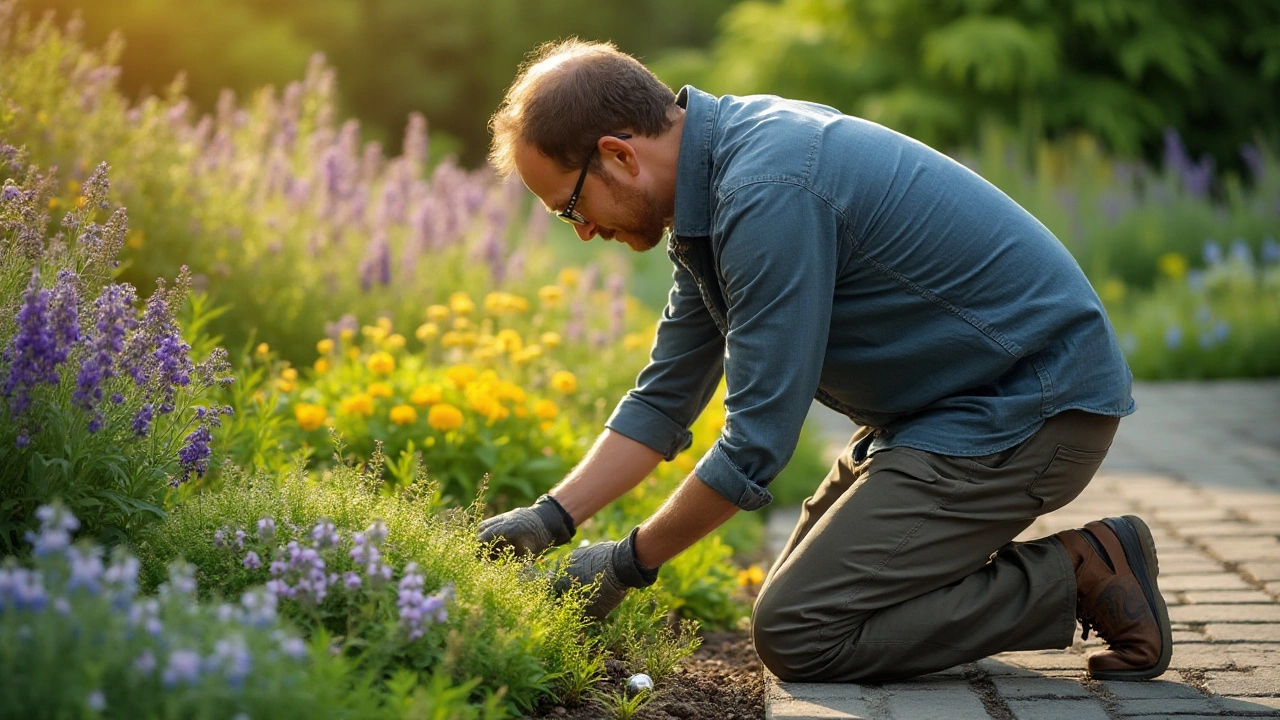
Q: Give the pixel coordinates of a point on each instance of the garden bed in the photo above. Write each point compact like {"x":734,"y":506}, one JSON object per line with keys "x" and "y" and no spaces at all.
{"x":722,"y":680}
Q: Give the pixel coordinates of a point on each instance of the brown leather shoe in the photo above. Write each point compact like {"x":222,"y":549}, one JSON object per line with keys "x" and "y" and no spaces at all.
{"x":1116,"y":595}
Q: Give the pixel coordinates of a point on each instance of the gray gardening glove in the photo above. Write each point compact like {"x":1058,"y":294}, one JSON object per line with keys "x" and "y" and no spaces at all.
{"x":529,"y":530}
{"x":616,"y":567}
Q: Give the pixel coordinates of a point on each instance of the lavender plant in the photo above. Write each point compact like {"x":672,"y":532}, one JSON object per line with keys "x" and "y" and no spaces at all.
{"x":76,"y":639}
{"x":99,"y":405}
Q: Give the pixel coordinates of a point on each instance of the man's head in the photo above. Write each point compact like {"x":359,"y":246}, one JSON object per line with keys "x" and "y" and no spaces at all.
{"x":587,"y":112}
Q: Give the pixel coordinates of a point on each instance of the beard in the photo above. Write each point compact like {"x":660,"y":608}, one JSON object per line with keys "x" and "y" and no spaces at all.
{"x":644,"y":226}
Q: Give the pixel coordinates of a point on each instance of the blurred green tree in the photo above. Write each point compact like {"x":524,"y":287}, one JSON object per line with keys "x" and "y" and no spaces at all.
{"x":1123,"y":70}
{"x":448,"y":59}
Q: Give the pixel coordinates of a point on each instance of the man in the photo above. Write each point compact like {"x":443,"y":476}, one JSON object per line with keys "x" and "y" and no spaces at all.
{"x":820,"y":255}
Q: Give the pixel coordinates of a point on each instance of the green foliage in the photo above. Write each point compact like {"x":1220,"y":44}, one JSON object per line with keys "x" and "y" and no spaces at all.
{"x":502,"y":626}
{"x":1121,"y":70}
{"x":450,"y":59}
{"x":1218,"y":322}
{"x":70,"y":418}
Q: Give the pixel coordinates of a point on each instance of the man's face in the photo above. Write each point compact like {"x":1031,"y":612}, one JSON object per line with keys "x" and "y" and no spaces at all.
{"x":617,"y":206}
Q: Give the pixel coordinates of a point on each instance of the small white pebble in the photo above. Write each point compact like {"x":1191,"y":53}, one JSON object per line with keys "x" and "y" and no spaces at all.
{"x":639,"y":682}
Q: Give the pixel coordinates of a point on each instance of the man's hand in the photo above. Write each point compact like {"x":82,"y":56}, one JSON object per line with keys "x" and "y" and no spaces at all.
{"x":528,"y":530}
{"x":614,"y":564}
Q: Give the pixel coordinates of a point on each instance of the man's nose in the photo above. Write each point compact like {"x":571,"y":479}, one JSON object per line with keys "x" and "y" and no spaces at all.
{"x":585,"y":231}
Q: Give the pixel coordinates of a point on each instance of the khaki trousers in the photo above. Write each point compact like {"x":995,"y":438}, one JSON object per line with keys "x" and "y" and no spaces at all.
{"x":903,"y":562}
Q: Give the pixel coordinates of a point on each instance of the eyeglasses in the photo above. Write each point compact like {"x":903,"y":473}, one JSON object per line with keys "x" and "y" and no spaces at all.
{"x":568,"y":214}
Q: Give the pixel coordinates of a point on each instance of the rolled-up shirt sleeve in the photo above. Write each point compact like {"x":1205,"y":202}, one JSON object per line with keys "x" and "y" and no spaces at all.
{"x":685,"y":366}
{"x":777,"y":257}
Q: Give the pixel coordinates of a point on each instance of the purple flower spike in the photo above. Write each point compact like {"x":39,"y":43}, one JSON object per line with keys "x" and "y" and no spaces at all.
{"x":33,"y":351}
{"x":252,"y":561}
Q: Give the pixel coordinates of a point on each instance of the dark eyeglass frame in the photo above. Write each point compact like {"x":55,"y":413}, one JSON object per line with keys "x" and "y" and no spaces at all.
{"x":568,"y":214}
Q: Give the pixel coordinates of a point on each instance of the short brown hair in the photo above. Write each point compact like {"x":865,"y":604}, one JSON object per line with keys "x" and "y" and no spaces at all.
{"x":570,"y":93}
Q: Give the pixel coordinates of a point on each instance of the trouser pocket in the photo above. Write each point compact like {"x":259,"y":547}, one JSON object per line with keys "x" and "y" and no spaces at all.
{"x":1064,"y":477}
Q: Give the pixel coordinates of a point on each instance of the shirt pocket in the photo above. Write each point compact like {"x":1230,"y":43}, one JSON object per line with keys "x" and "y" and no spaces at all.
{"x":1065,"y":477}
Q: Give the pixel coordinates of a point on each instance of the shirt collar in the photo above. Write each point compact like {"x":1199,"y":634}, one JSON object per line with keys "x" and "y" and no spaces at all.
{"x":693,"y":169}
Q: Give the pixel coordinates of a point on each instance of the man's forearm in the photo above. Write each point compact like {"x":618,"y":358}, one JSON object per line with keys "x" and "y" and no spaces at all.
{"x":614,"y":465}
{"x":693,"y":511}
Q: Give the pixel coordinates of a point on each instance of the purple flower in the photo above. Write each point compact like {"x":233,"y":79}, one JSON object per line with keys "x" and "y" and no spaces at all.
{"x":1173,"y":337}
{"x":231,"y":654}
{"x":183,"y":667}
{"x":351,"y":580}
{"x":142,"y":419}
{"x":259,"y":608}
{"x":56,"y":526}
{"x":415,"y":607}
{"x":1240,"y":251}
{"x":1253,"y":160}
{"x":266,"y":529}
{"x":113,"y":318}
{"x":324,"y":534}
{"x":252,"y":561}
{"x":64,"y":310}
{"x":96,"y":701}
{"x":193,"y":458}
{"x":1212,"y":252}
{"x":146,"y":663}
{"x":86,"y":569}
{"x":33,"y":350}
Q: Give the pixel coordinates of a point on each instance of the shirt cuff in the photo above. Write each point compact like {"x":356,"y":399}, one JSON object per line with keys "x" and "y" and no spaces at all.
{"x":646,"y":425}
{"x":718,"y":472}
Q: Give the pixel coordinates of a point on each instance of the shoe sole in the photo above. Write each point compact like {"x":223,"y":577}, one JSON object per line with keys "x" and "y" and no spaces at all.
{"x":1140,"y":552}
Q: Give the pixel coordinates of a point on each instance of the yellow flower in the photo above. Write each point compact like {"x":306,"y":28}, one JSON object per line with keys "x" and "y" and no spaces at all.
{"x":468,"y":339}
{"x":526,"y":354}
{"x":1112,"y":291}
{"x":53,"y":203}
{"x":504,"y":303}
{"x":1173,"y":264}
{"x":322,"y":366}
{"x":522,"y":412}
{"x":262,"y":350}
{"x":394,"y":342}
{"x":325,"y":346}
{"x":564,"y":381}
{"x":461,"y":375}
{"x":404,"y":415}
{"x":375,"y":333}
{"x":461,"y":323}
{"x":309,"y":416}
{"x":485,"y":404}
{"x":427,"y":331}
{"x":551,"y":295}
{"x":453,"y":338}
{"x":437,"y":313}
{"x":380,"y":390}
{"x":751,"y":577}
{"x":346,"y":334}
{"x":545,"y":410}
{"x":684,"y":463}
{"x":384,"y":324}
{"x":284,"y":386}
{"x":550,"y":339}
{"x":358,"y":404}
{"x":461,"y":303}
{"x":81,"y":202}
{"x":509,"y":341}
{"x":353,"y":353}
{"x":426,"y":394}
{"x":512,"y":392}
{"x":73,"y":187}
{"x":289,"y":374}
{"x":635,"y":341}
{"x":568,"y":277}
{"x":381,"y":363}
{"x":444,"y":417}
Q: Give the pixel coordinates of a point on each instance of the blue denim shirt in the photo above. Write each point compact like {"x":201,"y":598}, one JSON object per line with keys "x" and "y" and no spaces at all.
{"x":821,"y":255}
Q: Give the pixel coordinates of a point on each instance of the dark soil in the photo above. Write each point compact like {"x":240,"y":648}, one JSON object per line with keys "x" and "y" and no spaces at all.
{"x":722,"y":680}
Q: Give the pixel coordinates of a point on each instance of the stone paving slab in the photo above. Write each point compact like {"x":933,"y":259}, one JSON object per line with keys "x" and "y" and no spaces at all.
{"x":1200,"y":462}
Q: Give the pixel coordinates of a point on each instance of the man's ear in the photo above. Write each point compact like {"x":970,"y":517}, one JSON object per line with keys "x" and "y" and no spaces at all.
{"x":619,"y":153}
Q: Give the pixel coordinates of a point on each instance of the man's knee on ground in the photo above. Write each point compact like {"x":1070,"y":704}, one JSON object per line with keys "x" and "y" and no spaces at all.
{"x":790,"y":645}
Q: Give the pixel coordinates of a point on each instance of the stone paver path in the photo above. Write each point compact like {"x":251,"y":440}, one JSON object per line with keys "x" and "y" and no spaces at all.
{"x":1200,"y":462}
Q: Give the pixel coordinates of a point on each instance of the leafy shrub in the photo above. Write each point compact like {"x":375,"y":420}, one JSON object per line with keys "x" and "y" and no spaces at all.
{"x":502,"y":625}
{"x":102,"y":406}
{"x":77,"y":640}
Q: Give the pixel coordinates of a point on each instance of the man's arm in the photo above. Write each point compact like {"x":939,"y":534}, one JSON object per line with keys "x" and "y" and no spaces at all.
{"x":688,"y":515}
{"x":613,"y":466}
